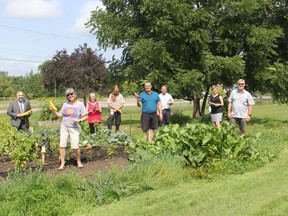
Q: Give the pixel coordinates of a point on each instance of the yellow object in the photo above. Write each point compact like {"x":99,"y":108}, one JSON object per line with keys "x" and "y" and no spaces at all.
{"x":43,"y":149}
{"x":27,"y":113}
{"x":52,"y":105}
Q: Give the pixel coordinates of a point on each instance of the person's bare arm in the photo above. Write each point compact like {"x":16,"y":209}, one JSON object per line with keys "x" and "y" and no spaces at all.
{"x":159,"y":110}
{"x":229,"y":110}
{"x":59,"y":115}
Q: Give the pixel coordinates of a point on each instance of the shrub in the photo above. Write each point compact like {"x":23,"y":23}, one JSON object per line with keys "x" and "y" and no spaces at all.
{"x":180,"y":118}
{"x":19,"y":145}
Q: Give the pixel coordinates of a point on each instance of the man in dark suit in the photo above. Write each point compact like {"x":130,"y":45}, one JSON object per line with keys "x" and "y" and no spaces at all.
{"x":17,"y":109}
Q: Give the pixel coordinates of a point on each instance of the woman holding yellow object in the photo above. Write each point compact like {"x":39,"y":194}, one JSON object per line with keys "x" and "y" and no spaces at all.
{"x":72,"y":113}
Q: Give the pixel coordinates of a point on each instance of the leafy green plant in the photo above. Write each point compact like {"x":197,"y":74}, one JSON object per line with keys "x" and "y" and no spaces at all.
{"x":19,"y":145}
{"x":200,"y":144}
{"x":177,"y":117}
{"x":119,"y":138}
{"x":103,"y":137}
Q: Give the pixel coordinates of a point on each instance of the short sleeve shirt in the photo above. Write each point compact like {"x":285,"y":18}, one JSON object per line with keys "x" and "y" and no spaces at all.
{"x":149,"y":101}
{"x":118,"y":101}
{"x":70,"y":111}
{"x":165,"y":98}
{"x":240,"y":103}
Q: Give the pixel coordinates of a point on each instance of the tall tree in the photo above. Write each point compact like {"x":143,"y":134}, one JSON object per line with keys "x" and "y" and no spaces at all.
{"x":31,"y":84}
{"x":6,"y":85}
{"x":190,"y":45}
{"x":83,"y":70}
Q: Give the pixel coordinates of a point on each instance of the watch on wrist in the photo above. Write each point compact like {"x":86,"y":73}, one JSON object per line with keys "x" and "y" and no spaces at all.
{"x":250,"y":115}
{"x":79,"y":120}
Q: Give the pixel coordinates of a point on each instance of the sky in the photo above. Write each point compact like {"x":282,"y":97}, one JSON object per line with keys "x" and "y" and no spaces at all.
{"x":32,"y":31}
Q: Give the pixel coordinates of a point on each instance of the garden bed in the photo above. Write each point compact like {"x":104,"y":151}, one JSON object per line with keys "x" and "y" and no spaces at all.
{"x":96,"y":158}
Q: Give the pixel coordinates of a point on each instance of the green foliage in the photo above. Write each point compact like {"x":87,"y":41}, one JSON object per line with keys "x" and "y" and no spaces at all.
{"x":31,"y":84}
{"x":177,"y":117}
{"x":52,"y":135}
{"x":19,"y":145}
{"x":47,"y":114}
{"x":103,"y":137}
{"x":36,"y":193}
{"x":39,"y":194}
{"x":200,"y":144}
{"x":194,"y":44}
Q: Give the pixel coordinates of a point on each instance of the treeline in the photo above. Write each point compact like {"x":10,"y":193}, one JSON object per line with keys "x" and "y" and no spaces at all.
{"x":83,"y":70}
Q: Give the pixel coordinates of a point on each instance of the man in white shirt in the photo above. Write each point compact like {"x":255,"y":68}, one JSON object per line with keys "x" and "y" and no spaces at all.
{"x":166,"y":101}
{"x":240,"y":105}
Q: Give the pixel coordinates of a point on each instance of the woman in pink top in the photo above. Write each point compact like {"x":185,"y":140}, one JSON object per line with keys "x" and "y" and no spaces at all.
{"x":94,"y":112}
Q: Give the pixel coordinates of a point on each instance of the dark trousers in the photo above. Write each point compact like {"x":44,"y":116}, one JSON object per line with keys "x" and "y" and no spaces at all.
{"x":166,"y":117}
{"x":93,"y":127}
{"x":23,"y":125}
{"x":117,"y":117}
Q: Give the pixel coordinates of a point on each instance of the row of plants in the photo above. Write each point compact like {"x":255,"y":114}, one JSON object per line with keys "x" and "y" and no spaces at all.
{"x":22,"y":147}
{"x":199,"y":144}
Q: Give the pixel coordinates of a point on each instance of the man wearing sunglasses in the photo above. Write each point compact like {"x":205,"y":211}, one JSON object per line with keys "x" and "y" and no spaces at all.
{"x":240,"y":105}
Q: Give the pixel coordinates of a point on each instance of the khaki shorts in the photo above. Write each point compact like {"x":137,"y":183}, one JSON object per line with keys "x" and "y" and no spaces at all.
{"x":241,"y":122}
{"x":74,"y":136}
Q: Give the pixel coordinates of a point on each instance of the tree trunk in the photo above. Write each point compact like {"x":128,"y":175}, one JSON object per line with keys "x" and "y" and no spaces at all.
{"x":204,"y":102}
{"x":196,"y":105}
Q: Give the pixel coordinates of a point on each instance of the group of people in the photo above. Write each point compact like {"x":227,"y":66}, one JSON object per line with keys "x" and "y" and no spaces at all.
{"x":240,"y":104}
{"x":156,"y":109}
{"x":115,"y":103}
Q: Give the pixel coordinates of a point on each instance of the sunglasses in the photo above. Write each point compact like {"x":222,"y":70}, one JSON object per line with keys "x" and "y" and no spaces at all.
{"x":69,"y":94}
{"x":240,"y":84}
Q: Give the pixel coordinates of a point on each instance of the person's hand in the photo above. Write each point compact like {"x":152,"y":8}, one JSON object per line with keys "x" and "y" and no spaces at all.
{"x":160,"y":117}
{"x":51,"y":108}
{"x":18,"y":115}
{"x":229,"y":115}
{"x":248,"y":118}
{"x":90,"y":111}
{"x":136,"y":96}
{"x":75,"y":120}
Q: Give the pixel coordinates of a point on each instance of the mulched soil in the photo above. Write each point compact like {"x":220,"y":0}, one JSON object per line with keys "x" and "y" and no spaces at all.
{"x":96,"y":158}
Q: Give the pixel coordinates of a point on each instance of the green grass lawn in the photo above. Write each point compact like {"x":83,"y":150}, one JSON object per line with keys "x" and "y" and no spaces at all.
{"x":259,"y":192}
{"x":258,"y":188}
{"x":262,"y":192}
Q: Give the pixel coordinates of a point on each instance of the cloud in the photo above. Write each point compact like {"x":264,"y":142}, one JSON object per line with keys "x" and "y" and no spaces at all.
{"x":18,"y":68}
{"x":84,"y":15}
{"x":32,"y":9}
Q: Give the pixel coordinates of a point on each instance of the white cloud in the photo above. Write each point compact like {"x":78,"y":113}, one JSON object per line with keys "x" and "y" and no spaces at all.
{"x":18,"y":68}
{"x":84,"y":15}
{"x":32,"y":9}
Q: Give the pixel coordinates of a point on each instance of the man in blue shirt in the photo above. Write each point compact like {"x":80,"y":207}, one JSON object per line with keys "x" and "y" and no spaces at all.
{"x":151,"y":108}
